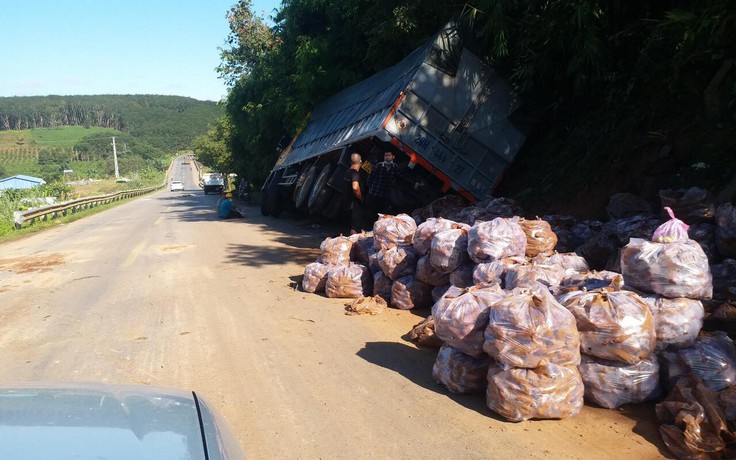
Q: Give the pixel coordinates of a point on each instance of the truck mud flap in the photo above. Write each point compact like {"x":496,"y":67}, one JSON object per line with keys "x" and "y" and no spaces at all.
{"x":270,"y":201}
{"x":335,"y":207}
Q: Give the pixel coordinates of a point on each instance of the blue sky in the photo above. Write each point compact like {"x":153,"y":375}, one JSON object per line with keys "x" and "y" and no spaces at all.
{"x":68,"y":47}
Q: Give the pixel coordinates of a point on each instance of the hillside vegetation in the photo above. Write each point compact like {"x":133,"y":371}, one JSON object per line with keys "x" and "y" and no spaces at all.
{"x":46,"y":135}
{"x":617,"y":96}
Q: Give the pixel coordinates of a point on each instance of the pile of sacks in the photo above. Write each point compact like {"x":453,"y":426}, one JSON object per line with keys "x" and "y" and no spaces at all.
{"x":538,"y":330}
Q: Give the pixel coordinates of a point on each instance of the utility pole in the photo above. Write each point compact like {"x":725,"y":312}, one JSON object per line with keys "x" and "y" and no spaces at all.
{"x":115,"y":158}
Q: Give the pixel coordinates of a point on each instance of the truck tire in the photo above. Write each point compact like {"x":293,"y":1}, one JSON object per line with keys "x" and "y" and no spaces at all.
{"x":270,"y":200}
{"x":301,"y":196}
{"x":299,"y":184}
{"x":321,"y":192}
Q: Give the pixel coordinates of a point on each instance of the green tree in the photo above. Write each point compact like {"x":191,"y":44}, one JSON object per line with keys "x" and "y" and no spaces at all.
{"x":212,"y":149}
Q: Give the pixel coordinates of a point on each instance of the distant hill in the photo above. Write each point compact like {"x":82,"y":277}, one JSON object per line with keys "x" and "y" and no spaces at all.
{"x":48,"y":136}
{"x":168,"y":123}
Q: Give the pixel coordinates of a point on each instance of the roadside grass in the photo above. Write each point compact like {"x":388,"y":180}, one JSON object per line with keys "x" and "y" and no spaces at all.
{"x":10,"y":204}
{"x":10,"y":234}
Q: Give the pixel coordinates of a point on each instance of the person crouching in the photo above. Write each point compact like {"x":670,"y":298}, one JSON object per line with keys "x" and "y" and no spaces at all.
{"x":225,"y":208}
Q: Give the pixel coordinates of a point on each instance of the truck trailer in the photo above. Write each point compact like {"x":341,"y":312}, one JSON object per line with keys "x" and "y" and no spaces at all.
{"x":213,"y":182}
{"x":441,"y":110}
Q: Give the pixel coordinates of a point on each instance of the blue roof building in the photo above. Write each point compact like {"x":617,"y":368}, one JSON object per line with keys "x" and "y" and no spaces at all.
{"x":20,"y":181}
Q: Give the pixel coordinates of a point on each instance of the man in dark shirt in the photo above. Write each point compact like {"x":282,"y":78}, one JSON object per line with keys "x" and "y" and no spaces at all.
{"x":355,"y":180}
{"x":381,"y":180}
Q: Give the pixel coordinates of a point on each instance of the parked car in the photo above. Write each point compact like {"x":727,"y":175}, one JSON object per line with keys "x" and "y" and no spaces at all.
{"x":176,"y":185}
{"x":125,"y":422}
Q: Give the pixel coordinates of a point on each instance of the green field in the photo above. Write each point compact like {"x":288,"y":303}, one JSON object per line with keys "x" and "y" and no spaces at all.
{"x":24,"y":146}
{"x":45,"y":152}
{"x":61,"y":137}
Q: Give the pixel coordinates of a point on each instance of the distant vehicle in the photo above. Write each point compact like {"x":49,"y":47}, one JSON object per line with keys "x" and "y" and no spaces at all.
{"x":123,"y":180}
{"x":176,"y":185}
{"x":213,"y":182}
{"x":90,"y":421}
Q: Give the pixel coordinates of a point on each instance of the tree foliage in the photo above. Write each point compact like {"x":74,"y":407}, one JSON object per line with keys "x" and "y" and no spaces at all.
{"x":150,"y":128}
{"x":166,"y":122}
{"x":597,"y":77}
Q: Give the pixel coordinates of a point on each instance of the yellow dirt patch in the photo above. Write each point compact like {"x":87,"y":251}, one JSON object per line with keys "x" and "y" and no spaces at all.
{"x":32,"y":264}
{"x":177,"y":248}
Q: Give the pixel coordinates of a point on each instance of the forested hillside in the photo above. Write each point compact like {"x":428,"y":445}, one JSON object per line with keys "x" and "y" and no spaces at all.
{"x":166,"y":122}
{"x":617,"y":96}
{"x":45,"y":135}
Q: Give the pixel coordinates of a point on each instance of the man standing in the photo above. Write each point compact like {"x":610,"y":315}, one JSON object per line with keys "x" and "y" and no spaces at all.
{"x":355,"y":179}
{"x":381,"y":180}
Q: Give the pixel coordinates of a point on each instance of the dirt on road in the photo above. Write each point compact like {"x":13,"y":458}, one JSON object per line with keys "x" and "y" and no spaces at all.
{"x":162,"y":293}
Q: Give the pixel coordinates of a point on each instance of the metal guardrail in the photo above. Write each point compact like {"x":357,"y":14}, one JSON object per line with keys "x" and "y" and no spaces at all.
{"x":62,"y":209}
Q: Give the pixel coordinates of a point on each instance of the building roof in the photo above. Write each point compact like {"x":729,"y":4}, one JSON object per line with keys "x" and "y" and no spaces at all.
{"x":20,"y":181}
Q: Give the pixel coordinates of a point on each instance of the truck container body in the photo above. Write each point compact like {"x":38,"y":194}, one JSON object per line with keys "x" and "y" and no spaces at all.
{"x":213,"y":182}
{"x":441,"y":110}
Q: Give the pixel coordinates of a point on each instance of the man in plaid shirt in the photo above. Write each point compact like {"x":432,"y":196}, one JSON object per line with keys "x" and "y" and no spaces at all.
{"x":380,"y":182}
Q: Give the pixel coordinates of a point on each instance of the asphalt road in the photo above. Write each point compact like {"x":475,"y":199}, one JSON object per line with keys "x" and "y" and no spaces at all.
{"x":158,"y":291}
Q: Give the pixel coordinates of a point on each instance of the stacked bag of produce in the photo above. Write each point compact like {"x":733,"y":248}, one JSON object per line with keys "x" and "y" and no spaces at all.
{"x":335,"y":274}
{"x":460,"y":318}
{"x":617,"y":339}
{"x":538,"y":330}
{"x":536,"y":347}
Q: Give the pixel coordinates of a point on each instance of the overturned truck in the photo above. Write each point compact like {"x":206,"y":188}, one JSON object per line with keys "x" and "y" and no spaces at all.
{"x":441,"y":110}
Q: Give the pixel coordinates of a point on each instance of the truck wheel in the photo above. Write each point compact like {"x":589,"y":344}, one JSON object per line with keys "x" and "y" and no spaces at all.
{"x":300,"y":198}
{"x":321,"y":192}
{"x":299,"y":184}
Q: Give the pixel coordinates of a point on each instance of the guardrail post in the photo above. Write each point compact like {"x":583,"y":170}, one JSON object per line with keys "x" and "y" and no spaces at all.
{"x":18,"y":219}
{"x":53,"y":211}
